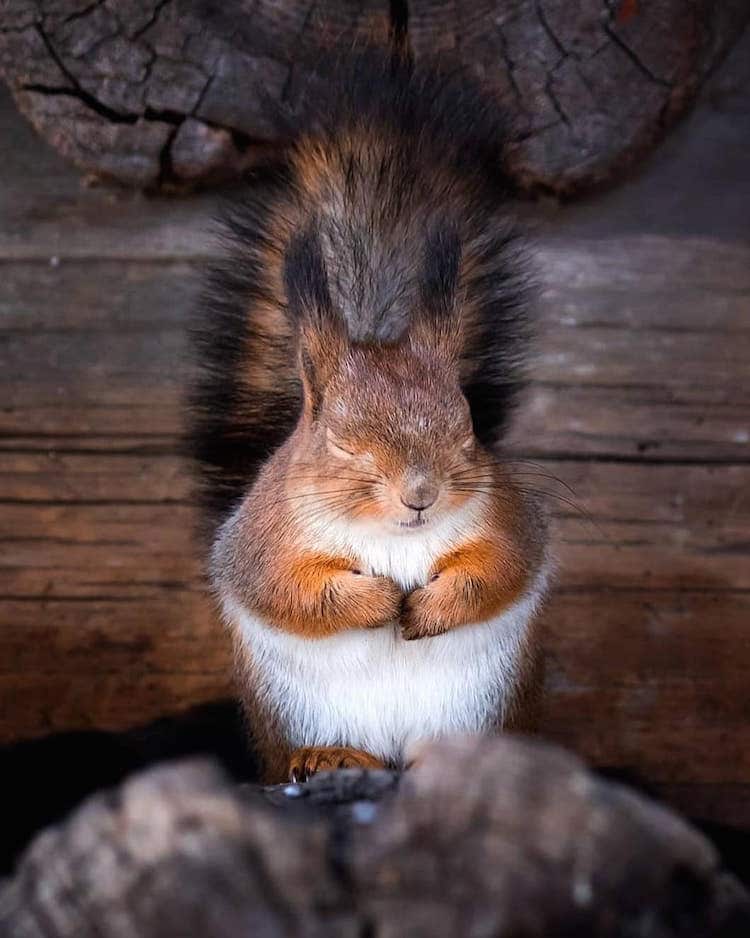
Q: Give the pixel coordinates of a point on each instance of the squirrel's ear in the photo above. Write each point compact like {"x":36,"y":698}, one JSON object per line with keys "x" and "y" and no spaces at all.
{"x":322,"y":334}
{"x":436,"y":327}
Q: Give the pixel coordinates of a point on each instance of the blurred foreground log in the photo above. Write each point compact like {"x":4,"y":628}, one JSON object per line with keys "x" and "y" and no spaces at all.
{"x":174,"y":92}
{"x":486,"y":837}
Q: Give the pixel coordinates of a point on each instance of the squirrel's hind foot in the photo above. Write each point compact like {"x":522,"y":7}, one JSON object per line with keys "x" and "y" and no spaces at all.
{"x":308,"y":760}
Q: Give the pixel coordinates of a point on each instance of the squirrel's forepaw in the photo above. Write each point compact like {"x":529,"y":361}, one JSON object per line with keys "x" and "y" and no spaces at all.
{"x":417,"y":618}
{"x":382,"y":602}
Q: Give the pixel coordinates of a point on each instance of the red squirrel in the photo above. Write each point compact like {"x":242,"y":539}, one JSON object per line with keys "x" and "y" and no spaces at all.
{"x":361,"y":344}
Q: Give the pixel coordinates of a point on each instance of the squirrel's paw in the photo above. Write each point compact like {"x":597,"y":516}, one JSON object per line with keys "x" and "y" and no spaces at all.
{"x":308,"y":760}
{"x":378,"y":600}
{"x":419,"y":617}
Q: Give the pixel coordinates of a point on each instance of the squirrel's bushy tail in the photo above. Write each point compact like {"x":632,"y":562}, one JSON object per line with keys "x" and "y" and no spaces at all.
{"x":398,"y":170}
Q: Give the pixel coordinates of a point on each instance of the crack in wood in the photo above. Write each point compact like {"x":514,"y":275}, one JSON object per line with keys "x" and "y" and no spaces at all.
{"x":80,"y":14}
{"x":609,"y":26}
{"x":157,"y":11}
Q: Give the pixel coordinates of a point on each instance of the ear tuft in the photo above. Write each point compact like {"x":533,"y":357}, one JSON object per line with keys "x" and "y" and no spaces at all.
{"x":305,"y":276}
{"x":322,"y":334}
{"x":442,"y":264}
{"x":436,"y":326}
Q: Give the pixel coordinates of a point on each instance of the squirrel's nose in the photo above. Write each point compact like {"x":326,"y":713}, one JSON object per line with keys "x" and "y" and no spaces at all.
{"x":418,"y":491}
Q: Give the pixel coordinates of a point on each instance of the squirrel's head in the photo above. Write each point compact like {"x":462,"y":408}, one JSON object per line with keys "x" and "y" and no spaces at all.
{"x":387,"y":429}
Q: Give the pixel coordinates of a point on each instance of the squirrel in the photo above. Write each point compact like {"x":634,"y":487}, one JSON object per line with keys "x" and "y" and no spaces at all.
{"x":361,"y":345}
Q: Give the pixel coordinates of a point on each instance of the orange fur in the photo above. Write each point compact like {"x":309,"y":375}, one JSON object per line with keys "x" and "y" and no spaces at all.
{"x":322,"y":595}
{"x":266,"y":560}
{"x":483,"y":576}
{"x":298,"y":589}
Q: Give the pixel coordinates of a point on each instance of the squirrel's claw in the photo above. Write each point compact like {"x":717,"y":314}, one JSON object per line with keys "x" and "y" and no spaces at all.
{"x":411,"y":621}
{"x":307,"y":761}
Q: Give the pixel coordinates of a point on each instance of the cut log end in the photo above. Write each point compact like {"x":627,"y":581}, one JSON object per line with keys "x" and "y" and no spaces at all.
{"x":179,"y":93}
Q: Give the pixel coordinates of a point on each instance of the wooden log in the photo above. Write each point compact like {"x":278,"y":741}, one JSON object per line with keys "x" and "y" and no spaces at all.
{"x":105,"y":618}
{"x":485,"y":837}
{"x":170,"y":92}
{"x":111,"y":351}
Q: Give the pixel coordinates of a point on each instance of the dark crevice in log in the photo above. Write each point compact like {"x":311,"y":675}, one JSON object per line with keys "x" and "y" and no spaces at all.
{"x":621,"y":44}
{"x":165,"y":116}
{"x":80,"y":14}
{"x":166,"y":166}
{"x":85,"y":98}
{"x":550,"y":32}
{"x":241,"y":141}
{"x":152,"y":19}
{"x":510,"y":66}
{"x":550,"y":92}
{"x":76,"y":90}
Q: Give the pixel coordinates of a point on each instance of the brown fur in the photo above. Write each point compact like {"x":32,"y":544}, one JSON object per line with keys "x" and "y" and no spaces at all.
{"x":364,"y":402}
{"x":296,"y":588}
{"x":364,"y":353}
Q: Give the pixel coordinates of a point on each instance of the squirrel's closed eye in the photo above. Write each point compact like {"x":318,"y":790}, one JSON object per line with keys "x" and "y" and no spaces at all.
{"x":336,"y":447}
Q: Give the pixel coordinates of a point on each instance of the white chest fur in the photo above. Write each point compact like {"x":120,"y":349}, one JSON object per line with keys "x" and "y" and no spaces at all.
{"x":371,"y":689}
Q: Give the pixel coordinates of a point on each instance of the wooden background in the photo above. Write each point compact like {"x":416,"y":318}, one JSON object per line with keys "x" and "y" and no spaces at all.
{"x":641,"y":403}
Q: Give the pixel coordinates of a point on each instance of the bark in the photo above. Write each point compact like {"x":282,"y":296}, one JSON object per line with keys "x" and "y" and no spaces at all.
{"x":178,"y":92}
{"x":501,"y":837}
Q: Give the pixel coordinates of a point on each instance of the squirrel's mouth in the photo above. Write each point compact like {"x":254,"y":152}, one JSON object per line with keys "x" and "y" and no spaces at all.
{"x":417,"y":522}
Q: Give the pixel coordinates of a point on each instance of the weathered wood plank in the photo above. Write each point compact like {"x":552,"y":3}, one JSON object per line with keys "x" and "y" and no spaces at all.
{"x":683,"y":285}
{"x":102,"y":350}
{"x":60,"y":476}
{"x":655,"y":681}
{"x":74,"y":297}
{"x":701,"y":274}
{"x":639,"y":358}
{"x":48,"y":211}
{"x":657,"y":526}
{"x":668,"y":424}
{"x":631,"y":632}
{"x":33,"y":703}
{"x":130,"y":551}
{"x":171,"y":633}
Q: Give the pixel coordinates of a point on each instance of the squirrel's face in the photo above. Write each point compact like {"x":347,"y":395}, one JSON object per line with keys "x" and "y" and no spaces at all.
{"x":393,"y":440}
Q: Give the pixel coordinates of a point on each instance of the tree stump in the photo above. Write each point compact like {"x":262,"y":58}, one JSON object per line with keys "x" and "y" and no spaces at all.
{"x":501,"y":837}
{"x":177,"y":92}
